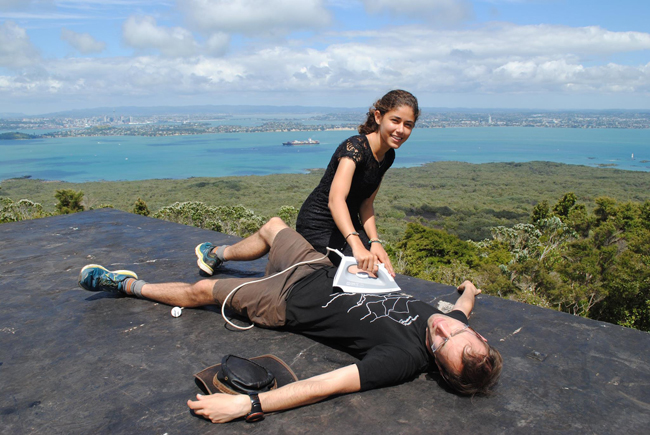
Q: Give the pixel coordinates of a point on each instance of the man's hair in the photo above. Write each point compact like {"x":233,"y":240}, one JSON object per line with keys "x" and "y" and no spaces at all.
{"x":480,"y":372}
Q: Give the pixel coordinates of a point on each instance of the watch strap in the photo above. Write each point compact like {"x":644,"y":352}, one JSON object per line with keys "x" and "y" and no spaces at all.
{"x":256,"y":413}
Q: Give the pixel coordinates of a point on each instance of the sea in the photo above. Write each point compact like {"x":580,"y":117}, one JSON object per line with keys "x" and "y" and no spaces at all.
{"x":219,"y":155}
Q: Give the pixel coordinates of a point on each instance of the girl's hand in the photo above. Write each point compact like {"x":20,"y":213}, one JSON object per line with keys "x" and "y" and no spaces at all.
{"x":382,"y":256}
{"x":366,"y":260}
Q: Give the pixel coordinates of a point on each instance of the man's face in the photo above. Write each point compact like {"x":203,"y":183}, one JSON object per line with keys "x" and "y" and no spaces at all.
{"x":455,"y":339}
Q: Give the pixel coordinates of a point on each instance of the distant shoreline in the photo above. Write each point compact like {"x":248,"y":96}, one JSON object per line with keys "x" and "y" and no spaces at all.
{"x":317,"y":171}
{"x":230,"y":129}
{"x":170,"y":124}
{"x":161,"y":132}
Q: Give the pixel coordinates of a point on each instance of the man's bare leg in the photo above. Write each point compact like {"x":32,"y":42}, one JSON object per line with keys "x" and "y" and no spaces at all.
{"x":200,"y":293}
{"x":94,"y":277}
{"x":181,"y":294}
{"x":211,"y":256}
{"x":257,"y":245}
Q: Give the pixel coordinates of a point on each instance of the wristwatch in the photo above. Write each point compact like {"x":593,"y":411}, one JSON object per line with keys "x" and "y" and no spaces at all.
{"x":256,"y":413}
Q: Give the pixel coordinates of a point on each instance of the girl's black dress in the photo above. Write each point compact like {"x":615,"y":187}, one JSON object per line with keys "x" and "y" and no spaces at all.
{"x":315,"y":222}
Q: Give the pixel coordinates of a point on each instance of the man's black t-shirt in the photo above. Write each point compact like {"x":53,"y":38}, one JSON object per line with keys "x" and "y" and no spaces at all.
{"x":386,"y":331}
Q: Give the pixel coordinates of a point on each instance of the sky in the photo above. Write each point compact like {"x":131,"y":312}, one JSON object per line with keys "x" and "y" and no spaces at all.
{"x":523,"y":54}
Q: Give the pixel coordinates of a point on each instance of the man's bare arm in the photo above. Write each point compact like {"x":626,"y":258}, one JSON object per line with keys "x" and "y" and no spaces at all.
{"x":465,"y":302}
{"x":221,"y":408}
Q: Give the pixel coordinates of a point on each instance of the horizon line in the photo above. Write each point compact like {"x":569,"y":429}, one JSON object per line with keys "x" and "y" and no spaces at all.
{"x":4,"y":115}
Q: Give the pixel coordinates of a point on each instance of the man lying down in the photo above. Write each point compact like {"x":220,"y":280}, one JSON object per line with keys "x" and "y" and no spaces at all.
{"x":391,"y":349}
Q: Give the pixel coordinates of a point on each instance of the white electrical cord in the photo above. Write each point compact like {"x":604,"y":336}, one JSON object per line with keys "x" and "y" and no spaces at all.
{"x":225,"y":301}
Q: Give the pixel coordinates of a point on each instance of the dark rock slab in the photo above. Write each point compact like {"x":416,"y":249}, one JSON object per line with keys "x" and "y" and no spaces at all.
{"x":74,"y":362}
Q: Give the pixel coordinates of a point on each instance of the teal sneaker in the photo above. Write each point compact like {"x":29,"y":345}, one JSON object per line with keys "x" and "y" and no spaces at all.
{"x":96,"y":278}
{"x":207,"y":261}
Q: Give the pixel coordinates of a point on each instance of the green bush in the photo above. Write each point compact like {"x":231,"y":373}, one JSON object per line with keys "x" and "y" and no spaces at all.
{"x":424,"y":249}
{"x":236,"y":220}
{"x":69,"y":201}
{"x":594,"y":265}
{"x":100,"y":206}
{"x":140,"y":207}
{"x":289,"y":215}
{"x":11,"y":211}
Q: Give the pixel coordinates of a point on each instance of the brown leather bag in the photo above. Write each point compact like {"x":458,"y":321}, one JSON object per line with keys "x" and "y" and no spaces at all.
{"x":237,"y":375}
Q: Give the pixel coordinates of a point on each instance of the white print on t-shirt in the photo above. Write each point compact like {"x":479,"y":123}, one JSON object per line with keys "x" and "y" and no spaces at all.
{"x":388,"y":306}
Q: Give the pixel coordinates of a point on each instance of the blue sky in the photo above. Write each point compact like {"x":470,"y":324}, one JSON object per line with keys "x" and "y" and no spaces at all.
{"x":545,"y":54}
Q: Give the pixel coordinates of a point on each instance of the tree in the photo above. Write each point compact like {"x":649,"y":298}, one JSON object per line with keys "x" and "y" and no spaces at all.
{"x":540,"y":211}
{"x":645,"y":214}
{"x":564,"y":205}
{"x":622,"y":242}
{"x":140,"y":207}
{"x":426,"y":248}
{"x":580,"y":220}
{"x":606,"y":208}
{"x":582,"y":271}
{"x":555,"y":234}
{"x":69,"y":201}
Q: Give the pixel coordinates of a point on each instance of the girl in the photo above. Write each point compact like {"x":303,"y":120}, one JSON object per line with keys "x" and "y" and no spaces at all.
{"x":339,"y":213}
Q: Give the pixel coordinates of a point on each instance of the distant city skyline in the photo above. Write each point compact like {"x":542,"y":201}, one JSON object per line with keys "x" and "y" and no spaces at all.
{"x":58,"y":55}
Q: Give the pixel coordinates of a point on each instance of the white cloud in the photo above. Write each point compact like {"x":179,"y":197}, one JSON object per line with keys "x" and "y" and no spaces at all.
{"x":512,"y":59}
{"x":502,"y":39}
{"x":437,"y":11}
{"x":16,"y":50}
{"x":551,"y":40}
{"x":256,"y":17}
{"x":499,"y":60}
{"x":84,"y":43}
{"x":144,"y":34}
{"x":217,"y":44}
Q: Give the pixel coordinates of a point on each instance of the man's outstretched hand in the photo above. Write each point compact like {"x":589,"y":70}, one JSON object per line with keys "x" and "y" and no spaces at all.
{"x":467,"y":286}
{"x":220,"y":408}
{"x":465,"y":302}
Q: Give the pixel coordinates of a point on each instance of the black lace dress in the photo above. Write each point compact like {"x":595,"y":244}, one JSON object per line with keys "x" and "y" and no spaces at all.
{"x":315,"y":222}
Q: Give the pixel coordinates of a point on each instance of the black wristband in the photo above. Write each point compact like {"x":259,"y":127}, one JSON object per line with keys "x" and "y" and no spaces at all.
{"x":256,"y":413}
{"x":353,"y":233}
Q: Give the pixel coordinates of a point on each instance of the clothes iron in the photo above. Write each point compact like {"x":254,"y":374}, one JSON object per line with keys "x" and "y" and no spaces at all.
{"x":362,"y":282}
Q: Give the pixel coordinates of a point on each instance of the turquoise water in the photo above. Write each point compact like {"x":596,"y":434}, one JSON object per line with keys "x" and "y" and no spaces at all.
{"x":219,"y":155}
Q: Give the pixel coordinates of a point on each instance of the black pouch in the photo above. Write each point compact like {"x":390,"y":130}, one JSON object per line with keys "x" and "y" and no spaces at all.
{"x":244,"y":376}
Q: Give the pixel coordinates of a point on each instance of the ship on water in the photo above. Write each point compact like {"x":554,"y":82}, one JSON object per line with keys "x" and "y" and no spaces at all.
{"x":309,"y":141}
